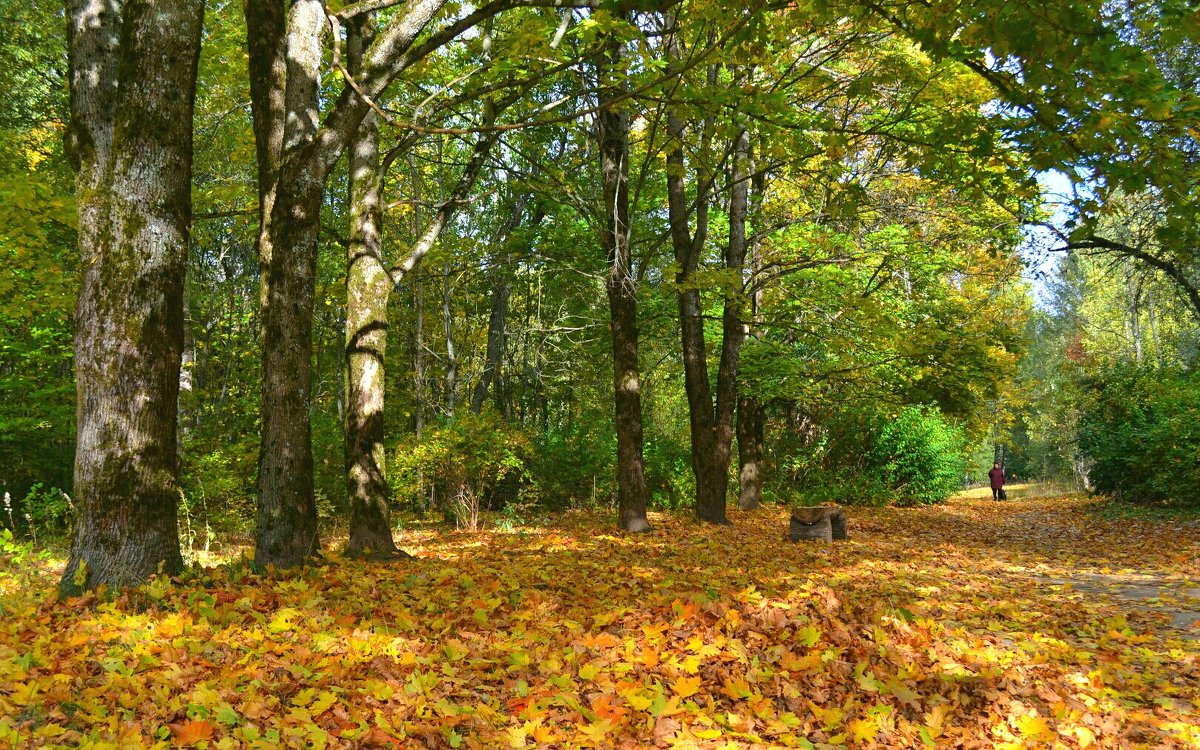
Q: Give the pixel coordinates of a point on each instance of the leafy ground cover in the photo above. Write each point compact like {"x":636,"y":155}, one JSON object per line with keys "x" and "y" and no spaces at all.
{"x":974,"y":624}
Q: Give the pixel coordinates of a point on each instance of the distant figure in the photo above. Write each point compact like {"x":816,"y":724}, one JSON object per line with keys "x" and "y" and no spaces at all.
{"x":996,"y":476}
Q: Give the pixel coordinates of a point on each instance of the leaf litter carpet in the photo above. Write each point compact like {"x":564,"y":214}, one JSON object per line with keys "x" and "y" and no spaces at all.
{"x":974,"y":624}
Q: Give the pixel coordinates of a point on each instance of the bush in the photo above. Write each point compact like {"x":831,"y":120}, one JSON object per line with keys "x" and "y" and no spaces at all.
{"x":920,"y":456}
{"x":463,"y":466}
{"x":43,"y":511}
{"x":670,"y":481}
{"x":575,"y":464}
{"x":844,"y":487}
{"x":1139,"y":434}
{"x":218,"y":488}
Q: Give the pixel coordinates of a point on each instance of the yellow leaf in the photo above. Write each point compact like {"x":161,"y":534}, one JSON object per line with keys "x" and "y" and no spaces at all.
{"x":1085,"y":736}
{"x":807,"y":636}
{"x":737,"y":688}
{"x":686,"y":687}
{"x":323,"y":703}
{"x":830,"y":717}
{"x":863,"y":730}
{"x":597,"y":731}
{"x":1031,"y":725}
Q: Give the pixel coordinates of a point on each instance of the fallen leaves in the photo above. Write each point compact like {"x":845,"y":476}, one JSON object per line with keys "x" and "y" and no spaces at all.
{"x":931,"y":627}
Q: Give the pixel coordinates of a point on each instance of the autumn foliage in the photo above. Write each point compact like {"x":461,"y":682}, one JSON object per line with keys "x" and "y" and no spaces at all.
{"x":954,"y":626}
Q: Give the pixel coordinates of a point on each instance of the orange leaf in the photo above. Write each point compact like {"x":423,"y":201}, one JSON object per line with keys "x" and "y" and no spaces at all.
{"x":605,"y":709}
{"x":190,"y":732}
{"x":686,"y":687}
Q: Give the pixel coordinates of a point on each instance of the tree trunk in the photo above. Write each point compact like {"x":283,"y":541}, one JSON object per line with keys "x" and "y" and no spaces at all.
{"x":294,"y":159}
{"x":750,"y":416}
{"x":368,"y":286}
{"x":495,"y":346}
{"x":750,"y":452}
{"x":622,"y":303}
{"x":711,"y":423}
{"x":733,"y":329}
{"x":133,"y":82}
{"x":451,"y":358}
{"x":286,"y":533}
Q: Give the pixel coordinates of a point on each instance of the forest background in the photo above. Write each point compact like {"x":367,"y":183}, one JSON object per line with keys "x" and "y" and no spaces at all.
{"x":617,"y":256}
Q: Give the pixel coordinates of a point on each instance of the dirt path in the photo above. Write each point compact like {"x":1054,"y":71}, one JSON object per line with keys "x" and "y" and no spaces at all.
{"x":1121,"y":562}
{"x":1144,"y":592}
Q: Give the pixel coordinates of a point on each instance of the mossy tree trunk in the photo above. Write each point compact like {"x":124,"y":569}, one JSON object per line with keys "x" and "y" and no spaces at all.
{"x":621,"y":285}
{"x":133,"y":81}
{"x":750,"y":452}
{"x":369,"y":284}
{"x":296,"y":150}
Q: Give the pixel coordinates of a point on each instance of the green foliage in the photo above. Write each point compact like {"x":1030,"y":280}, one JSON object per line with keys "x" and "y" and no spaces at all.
{"x":1139,"y":434}
{"x":921,"y":456}
{"x":463,"y":466}
{"x":844,"y":486}
{"x":218,"y":487}
{"x":669,"y":476}
{"x":37,"y":256}
{"x":48,"y":510}
{"x":574,"y":464}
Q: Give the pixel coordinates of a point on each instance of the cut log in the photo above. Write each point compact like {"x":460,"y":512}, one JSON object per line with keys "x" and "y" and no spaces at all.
{"x":822,"y":522}
{"x":820,"y":530}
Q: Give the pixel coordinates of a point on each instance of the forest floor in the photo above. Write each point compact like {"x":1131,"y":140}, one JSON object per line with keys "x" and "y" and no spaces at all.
{"x":1037,"y":622}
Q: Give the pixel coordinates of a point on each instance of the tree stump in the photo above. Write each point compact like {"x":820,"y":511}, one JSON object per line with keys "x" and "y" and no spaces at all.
{"x":821,"y":522}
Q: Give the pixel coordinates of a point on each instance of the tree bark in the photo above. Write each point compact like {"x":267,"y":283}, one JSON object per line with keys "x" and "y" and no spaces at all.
{"x":451,"y":379}
{"x":750,"y":452}
{"x":750,"y":416}
{"x":501,"y":290}
{"x":295,"y":156}
{"x":133,"y":82}
{"x":711,"y":484}
{"x":286,"y":533}
{"x":711,"y":422}
{"x":621,"y":286}
{"x":368,"y":287}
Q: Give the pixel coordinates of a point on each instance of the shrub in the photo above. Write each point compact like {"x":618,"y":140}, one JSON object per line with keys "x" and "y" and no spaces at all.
{"x":1139,"y":434}
{"x":844,"y":487}
{"x":920,"y":456}
{"x":43,"y":511}
{"x":218,"y":488}
{"x":575,"y":464}
{"x":462,"y":467}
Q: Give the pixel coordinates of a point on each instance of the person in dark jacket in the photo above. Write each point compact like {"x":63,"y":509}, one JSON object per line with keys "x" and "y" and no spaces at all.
{"x":996,"y":476}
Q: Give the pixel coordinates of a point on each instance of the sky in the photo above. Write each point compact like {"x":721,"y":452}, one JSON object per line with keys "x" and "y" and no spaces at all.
{"x":1041,"y":265}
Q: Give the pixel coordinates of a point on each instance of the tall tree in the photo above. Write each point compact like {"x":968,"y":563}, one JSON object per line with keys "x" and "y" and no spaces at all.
{"x":621,"y":285}
{"x":303,"y":147}
{"x":132,"y":81}
{"x":367,"y":289}
{"x":711,"y":419}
